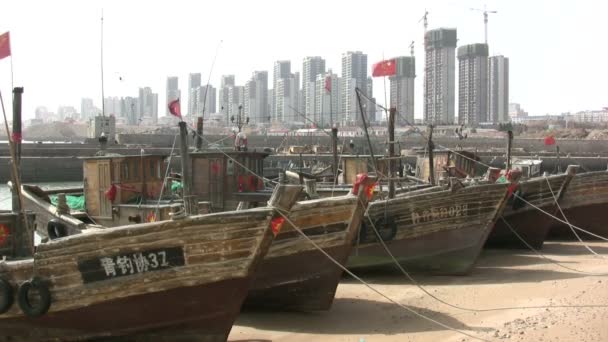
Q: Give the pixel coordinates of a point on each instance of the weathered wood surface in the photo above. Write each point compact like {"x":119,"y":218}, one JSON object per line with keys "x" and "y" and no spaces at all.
{"x":216,"y":247}
{"x":537,"y":192}
{"x":423,"y":225}
{"x":589,"y":188}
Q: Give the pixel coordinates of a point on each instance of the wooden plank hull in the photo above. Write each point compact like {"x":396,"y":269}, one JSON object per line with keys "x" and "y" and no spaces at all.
{"x":437,"y":232}
{"x":295,"y":275}
{"x":585,"y":205}
{"x":206,"y":311}
{"x":529,"y":223}
{"x":188,"y":273}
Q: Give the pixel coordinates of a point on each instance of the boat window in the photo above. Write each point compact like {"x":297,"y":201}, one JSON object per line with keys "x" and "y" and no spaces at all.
{"x":158,"y":169}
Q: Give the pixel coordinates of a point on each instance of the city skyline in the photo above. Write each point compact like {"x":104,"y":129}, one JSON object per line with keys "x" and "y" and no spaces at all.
{"x":55,"y":78}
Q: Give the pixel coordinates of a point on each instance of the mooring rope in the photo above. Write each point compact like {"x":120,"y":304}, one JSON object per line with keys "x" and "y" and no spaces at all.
{"x":569,"y":224}
{"x":423,"y":289}
{"x":366,"y":284}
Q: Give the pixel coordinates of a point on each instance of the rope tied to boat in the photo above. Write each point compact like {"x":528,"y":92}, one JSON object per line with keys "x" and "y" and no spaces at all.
{"x":569,"y":224}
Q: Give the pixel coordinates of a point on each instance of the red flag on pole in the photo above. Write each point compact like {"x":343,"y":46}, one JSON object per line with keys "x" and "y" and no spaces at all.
{"x":174,"y":108}
{"x":550,"y":140}
{"x":384,"y":68}
{"x":5,"y":45}
{"x":328,"y":84}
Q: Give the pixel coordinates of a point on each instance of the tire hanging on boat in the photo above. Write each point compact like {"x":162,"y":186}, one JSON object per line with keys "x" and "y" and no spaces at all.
{"x":6,"y":295}
{"x":39,"y":307}
{"x":56,"y":229}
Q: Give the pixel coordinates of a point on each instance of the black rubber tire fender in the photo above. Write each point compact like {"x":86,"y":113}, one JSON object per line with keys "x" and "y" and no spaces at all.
{"x":56,"y":230}
{"x":42,"y":307}
{"x":7,"y":295}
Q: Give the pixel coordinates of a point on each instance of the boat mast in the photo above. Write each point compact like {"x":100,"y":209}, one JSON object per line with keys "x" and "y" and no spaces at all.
{"x":103,"y":105}
{"x":391,"y":152}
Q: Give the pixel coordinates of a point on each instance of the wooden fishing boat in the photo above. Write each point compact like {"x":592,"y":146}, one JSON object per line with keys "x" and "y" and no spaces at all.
{"x":531,"y":224}
{"x":584,"y":204}
{"x":180,"y":276}
{"x":437,"y":230}
{"x":294,"y":274}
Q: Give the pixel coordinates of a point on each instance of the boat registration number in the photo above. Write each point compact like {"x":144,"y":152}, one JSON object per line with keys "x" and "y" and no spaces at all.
{"x":433,"y":214}
{"x":126,"y":264}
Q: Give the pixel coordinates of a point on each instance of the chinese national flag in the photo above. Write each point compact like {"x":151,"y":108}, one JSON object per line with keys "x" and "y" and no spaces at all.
{"x":550,"y":140}
{"x":384,"y":68}
{"x":328,"y":84}
{"x":5,"y":45}
{"x":174,"y":108}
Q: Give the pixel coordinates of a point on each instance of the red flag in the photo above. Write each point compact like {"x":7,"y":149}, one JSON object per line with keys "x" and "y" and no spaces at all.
{"x":328,"y":84}
{"x":5,"y":45}
{"x":384,"y":68}
{"x":550,"y":140}
{"x":175,"y":109}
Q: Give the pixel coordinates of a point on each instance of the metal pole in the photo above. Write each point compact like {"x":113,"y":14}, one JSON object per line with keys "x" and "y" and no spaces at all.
{"x":391,"y":152}
{"x":16,"y":137}
{"x":334,"y":145}
{"x":431,"y":146}
{"x":183,"y":137}
{"x":509,"y":143}
{"x":199,"y":133}
{"x":371,"y":149}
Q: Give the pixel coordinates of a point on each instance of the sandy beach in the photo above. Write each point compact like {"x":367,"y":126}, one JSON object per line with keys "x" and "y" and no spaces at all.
{"x":502,"y":279}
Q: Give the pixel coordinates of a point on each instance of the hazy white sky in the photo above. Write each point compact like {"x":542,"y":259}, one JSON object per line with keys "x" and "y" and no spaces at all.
{"x":557,"y":49}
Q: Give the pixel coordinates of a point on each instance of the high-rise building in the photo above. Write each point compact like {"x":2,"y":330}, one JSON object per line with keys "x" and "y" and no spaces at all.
{"x":226,"y":81}
{"x":281,"y":70}
{"x":112,"y":106}
{"x":327,"y":99}
{"x":42,"y":112}
{"x":354,"y":75}
{"x":439,"y":76}
{"x":498,"y":89}
{"x":130,"y":110}
{"x":194,"y":81}
{"x":285,"y":97}
{"x":256,"y":98}
{"x":311,"y":67}
{"x":204,"y":100}
{"x":402,"y":89}
{"x":148,"y":105}
{"x":173,"y":92}
{"x":236,"y":94}
{"x":87,"y":109}
{"x":66,"y":112}
{"x":473,"y":84}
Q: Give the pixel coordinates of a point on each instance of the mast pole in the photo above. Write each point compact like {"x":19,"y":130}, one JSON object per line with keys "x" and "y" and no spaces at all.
{"x":391,"y":152}
{"x":103,"y":99}
{"x":431,"y":147}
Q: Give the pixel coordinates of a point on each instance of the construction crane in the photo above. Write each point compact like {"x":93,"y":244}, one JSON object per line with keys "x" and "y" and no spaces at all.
{"x":485,"y":19}
{"x":425,"y":20}
{"x":412,"y":49}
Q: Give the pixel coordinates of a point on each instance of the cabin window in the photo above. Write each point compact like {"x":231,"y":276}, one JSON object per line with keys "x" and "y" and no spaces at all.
{"x":158,"y":169}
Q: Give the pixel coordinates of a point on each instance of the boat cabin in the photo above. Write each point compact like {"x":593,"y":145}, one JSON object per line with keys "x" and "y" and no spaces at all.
{"x":121,"y":189}
{"x":529,"y":167}
{"x":223,"y":178}
{"x":461,"y":164}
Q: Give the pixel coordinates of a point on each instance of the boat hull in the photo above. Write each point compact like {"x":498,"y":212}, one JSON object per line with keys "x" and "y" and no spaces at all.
{"x":530,"y":224}
{"x":436,"y":232}
{"x":305,"y":281}
{"x":585,"y":205}
{"x":206,"y":311}
{"x":295,"y":275}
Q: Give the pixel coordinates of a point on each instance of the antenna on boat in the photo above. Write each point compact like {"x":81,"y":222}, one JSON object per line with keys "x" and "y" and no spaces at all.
{"x":103,"y":106}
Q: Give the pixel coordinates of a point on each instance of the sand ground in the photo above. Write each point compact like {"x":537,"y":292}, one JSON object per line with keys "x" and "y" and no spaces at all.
{"x":502,"y":278}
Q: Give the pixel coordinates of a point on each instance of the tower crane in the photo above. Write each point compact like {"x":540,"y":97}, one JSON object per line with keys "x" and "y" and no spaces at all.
{"x":485,"y":19}
{"x":412,"y":49}
{"x":425,"y":20}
